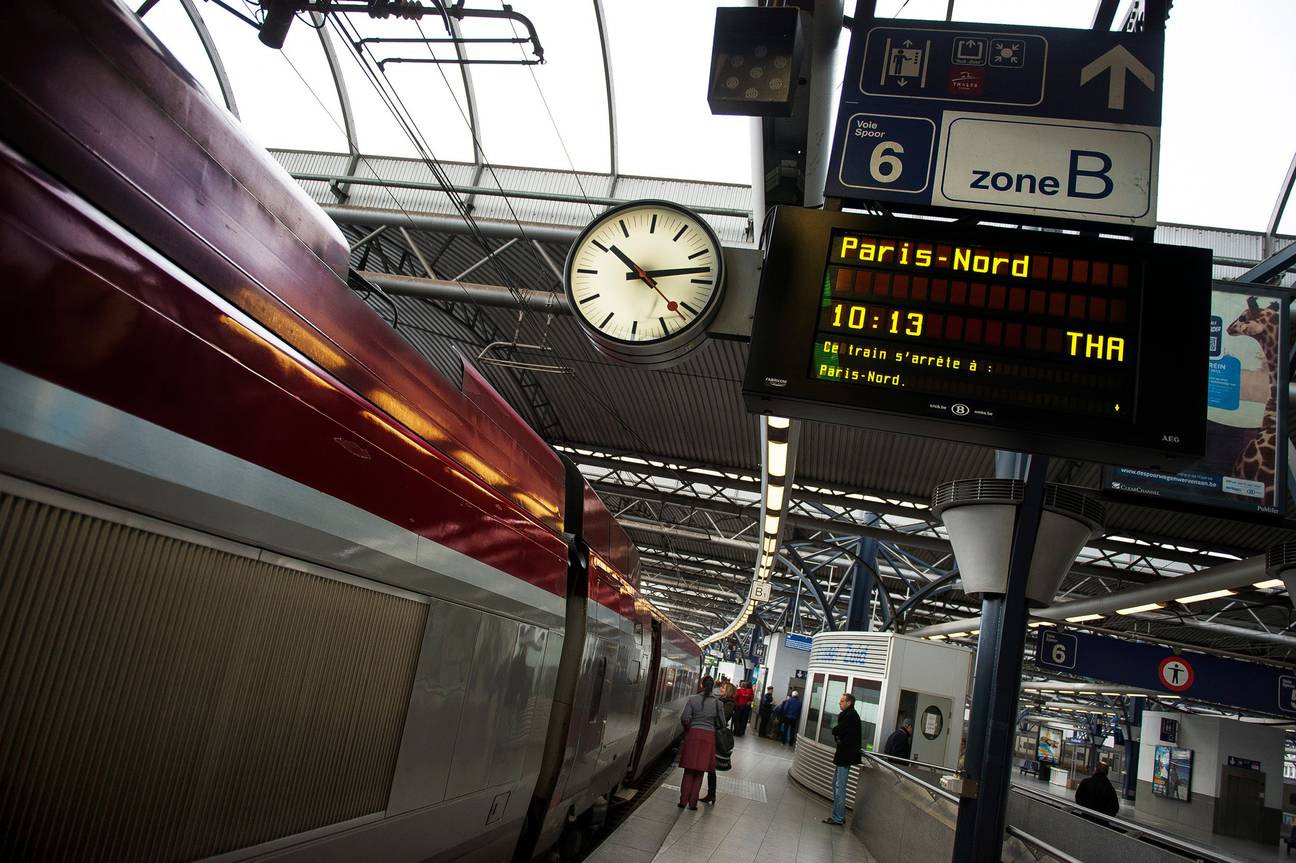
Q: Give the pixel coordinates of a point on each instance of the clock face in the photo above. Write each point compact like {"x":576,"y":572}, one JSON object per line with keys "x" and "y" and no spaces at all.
{"x":645,"y":279}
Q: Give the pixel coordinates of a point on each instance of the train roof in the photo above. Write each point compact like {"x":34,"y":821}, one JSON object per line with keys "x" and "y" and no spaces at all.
{"x":148,"y":146}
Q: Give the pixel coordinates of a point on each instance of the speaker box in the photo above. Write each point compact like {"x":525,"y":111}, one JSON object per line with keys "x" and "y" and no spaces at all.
{"x":755,"y":61}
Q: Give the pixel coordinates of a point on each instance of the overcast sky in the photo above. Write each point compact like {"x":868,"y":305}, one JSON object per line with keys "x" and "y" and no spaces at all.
{"x":1228,"y":134}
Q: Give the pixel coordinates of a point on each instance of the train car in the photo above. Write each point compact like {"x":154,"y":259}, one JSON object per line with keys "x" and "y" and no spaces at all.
{"x":271,"y":586}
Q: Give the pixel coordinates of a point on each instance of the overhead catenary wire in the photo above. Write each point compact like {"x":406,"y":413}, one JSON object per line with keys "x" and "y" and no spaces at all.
{"x":400,"y":112}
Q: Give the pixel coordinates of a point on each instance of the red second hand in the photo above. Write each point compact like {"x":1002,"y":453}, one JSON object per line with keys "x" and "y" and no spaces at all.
{"x":671,"y":305}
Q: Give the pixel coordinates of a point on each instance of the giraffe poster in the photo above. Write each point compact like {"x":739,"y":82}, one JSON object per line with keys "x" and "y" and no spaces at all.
{"x":1245,"y":463}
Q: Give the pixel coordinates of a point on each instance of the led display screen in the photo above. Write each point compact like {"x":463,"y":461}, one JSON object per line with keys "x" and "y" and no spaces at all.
{"x":1012,"y":327}
{"x":1027,"y":340}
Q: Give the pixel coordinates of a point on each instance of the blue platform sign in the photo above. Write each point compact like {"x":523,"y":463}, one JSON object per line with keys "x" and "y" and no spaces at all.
{"x":1045,"y":121}
{"x":1200,"y":676}
{"x":797,"y":642}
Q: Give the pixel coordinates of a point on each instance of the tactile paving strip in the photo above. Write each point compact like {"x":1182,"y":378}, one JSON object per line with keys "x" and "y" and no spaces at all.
{"x":743,"y":788}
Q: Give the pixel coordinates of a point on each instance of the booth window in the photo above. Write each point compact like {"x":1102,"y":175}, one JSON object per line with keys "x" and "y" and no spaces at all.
{"x":868,"y":697}
{"x":815,"y":705}
{"x":832,"y":695}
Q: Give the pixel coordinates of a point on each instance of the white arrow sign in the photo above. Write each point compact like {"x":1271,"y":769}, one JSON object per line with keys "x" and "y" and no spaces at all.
{"x":1118,"y":61}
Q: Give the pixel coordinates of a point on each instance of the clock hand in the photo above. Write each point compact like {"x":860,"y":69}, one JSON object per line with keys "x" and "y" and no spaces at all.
{"x":682,"y":271}
{"x":640,"y":273}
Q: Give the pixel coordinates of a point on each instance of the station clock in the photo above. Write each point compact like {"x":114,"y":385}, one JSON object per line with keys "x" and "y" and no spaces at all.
{"x":645,"y":279}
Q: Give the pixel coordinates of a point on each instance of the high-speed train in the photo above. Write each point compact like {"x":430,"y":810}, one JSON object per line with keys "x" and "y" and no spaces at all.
{"x":271,"y":586}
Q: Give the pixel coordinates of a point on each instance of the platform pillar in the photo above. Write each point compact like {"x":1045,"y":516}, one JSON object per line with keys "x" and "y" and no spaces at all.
{"x":979,"y":832}
{"x":859,"y":612}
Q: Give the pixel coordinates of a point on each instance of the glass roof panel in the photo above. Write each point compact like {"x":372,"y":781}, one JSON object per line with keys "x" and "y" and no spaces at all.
{"x":276,"y":106}
{"x":1225,"y":147}
{"x":661,"y":59}
{"x":169,"y":23}
{"x":512,"y":100}
{"x":432,"y":94}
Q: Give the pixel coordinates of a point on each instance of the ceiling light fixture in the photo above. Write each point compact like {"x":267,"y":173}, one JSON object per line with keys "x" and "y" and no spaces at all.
{"x":1081,"y":618}
{"x":1136,"y":609}
{"x":1273,"y":582}
{"x":1210,"y":594}
{"x":778,"y":458}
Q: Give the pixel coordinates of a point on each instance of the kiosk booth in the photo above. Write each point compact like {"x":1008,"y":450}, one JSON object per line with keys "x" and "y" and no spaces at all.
{"x":891,"y":676}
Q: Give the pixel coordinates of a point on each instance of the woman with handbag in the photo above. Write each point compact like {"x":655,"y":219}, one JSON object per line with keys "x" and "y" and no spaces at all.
{"x":701,"y":718}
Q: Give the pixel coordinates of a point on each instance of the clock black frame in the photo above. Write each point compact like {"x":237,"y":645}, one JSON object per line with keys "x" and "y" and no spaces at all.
{"x":667,"y":350}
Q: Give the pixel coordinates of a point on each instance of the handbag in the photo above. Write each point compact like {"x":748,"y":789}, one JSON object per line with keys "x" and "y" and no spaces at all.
{"x":724,"y":740}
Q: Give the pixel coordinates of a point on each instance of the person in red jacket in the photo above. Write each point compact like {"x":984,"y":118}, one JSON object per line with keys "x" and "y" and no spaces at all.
{"x":743,"y":699}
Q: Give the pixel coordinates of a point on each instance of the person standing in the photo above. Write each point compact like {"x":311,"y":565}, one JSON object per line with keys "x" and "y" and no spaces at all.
{"x":743,"y":699}
{"x":900,"y":743}
{"x":726,"y":692}
{"x":701,"y":717}
{"x":764,"y":712}
{"x":1097,"y":793}
{"x":791,"y":711}
{"x":847,"y":733}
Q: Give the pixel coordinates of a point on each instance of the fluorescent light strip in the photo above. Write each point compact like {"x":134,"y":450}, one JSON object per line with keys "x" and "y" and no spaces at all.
{"x":772,"y":525}
{"x":1081,"y":618}
{"x":774,"y":497}
{"x":1273,"y":582}
{"x":1136,"y":609}
{"x":1210,"y":594}
{"x":778,"y":451}
{"x":779,"y":422}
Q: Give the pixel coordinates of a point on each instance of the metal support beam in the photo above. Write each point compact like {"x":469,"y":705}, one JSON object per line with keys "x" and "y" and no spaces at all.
{"x":213,"y":55}
{"x":1284,"y":195}
{"x":493,"y":192}
{"x":979,"y":831}
{"x":1271,"y":267}
{"x":448,"y":224}
{"x":862,"y":575}
{"x":445,"y":290}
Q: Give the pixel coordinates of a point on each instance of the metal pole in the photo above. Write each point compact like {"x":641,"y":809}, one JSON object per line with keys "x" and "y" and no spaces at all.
{"x":979,"y":832}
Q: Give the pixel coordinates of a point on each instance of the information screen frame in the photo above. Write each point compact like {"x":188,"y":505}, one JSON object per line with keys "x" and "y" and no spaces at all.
{"x":1172,"y":282}
{"x":1187,"y":490}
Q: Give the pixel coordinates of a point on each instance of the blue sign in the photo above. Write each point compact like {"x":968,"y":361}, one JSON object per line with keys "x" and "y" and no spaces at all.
{"x":797,"y":642}
{"x":1199,"y":676}
{"x":841,"y":654}
{"x":1060,"y":648}
{"x":1047,"y":121}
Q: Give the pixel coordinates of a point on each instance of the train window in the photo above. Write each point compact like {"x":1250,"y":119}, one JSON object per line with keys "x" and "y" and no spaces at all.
{"x":831,"y":707}
{"x":815,"y":705}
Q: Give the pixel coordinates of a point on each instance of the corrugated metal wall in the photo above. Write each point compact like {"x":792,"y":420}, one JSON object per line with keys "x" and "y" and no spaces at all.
{"x":165,"y":700}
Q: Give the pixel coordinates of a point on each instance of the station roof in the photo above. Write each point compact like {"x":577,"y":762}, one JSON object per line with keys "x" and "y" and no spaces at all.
{"x":618,"y":105}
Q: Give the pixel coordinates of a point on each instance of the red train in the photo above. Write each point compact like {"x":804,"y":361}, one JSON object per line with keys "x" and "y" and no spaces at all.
{"x":270,"y":585}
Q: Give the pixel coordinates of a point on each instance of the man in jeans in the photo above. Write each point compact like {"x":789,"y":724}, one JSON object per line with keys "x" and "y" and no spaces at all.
{"x":847,"y":733}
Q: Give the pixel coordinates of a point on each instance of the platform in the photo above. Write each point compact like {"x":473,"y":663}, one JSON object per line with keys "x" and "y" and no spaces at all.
{"x":1241,"y":849}
{"x":759,"y":814}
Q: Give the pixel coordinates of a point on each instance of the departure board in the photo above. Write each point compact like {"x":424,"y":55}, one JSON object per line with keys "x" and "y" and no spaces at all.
{"x":1019,"y":339}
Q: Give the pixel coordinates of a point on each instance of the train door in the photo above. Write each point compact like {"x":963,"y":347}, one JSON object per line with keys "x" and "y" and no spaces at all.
{"x":650,"y":686}
{"x":588,"y":716}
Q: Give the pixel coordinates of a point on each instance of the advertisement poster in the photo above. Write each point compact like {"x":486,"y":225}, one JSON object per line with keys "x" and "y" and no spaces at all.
{"x":1246,"y":460}
{"x":1049,"y":747}
{"x":1172,"y":773}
